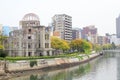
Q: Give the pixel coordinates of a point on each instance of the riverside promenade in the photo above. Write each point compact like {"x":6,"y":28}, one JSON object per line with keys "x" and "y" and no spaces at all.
{"x":23,"y":67}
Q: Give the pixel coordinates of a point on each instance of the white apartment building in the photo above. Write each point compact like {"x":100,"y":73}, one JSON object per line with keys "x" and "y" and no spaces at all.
{"x":62,"y":23}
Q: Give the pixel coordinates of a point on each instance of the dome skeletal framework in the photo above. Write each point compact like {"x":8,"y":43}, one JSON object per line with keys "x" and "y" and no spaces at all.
{"x":30,"y":16}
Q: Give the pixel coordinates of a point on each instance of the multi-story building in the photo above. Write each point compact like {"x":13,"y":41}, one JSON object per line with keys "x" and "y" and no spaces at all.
{"x":108,"y":36}
{"x":118,"y":26}
{"x":102,"y":40}
{"x":114,"y":39}
{"x":6,"y":30}
{"x":76,"y":34}
{"x":62,"y":24}
{"x":12,"y":28}
{"x":31,"y":40}
{"x":90,"y":33}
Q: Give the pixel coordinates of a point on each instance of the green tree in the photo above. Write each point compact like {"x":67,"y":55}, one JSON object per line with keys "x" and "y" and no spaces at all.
{"x":106,"y":46}
{"x":97,"y":47}
{"x":56,"y":43}
{"x":65,"y":46}
{"x":80,"y":45}
{"x":59,"y":44}
{"x":2,"y":41}
{"x":77,"y":45}
{"x":113,"y":45}
{"x":3,"y":53}
{"x":1,"y":46}
{"x":87,"y":46}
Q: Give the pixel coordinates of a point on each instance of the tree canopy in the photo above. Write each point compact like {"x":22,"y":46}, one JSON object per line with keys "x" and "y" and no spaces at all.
{"x":80,"y":45}
{"x":58,"y":44}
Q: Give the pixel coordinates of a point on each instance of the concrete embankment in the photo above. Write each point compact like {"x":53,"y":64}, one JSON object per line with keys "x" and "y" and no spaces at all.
{"x":42,"y":64}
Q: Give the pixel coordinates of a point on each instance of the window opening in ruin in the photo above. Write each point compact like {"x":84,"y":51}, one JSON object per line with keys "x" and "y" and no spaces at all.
{"x":29,"y":53}
{"x":29,"y":37}
{"x":29,"y":30}
{"x":46,"y":45}
{"x":40,"y":54}
{"x":29,"y":46}
{"x":48,"y":53}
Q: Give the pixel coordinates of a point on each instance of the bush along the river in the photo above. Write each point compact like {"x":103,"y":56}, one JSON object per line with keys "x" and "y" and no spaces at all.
{"x":33,"y":63}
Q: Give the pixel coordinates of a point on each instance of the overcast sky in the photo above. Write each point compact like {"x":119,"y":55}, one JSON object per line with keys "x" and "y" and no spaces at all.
{"x":101,"y":13}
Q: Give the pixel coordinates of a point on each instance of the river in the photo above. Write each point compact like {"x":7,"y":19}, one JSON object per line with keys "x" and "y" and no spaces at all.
{"x":106,"y":67}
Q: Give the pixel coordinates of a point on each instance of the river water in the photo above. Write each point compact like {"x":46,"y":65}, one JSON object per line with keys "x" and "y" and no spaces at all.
{"x":106,"y":67}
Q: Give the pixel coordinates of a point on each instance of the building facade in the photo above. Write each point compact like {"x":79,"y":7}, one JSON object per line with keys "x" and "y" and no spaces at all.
{"x":62,"y":24}
{"x":6,"y":30}
{"x":114,"y":39}
{"x":118,"y":26}
{"x":76,"y":34}
{"x":102,"y":40}
{"x":31,"y":40}
{"x":90,"y":33}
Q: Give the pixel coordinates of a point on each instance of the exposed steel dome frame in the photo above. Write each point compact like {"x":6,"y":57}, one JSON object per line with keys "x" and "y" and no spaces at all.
{"x":30,"y":16}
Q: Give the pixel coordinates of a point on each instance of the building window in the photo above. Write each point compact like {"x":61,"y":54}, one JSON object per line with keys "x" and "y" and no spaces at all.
{"x":29,"y":37}
{"x":29,"y":53}
{"x":29,"y":30}
{"x":46,"y":36}
{"x":46,"y":45}
{"x":29,"y":46}
{"x":48,"y":53}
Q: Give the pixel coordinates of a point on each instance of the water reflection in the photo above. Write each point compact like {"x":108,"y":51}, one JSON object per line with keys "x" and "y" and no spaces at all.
{"x":106,"y":67}
{"x":64,"y":74}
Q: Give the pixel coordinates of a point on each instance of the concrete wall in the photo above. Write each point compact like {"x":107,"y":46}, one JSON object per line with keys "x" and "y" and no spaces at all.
{"x":1,"y":67}
{"x":41,"y":63}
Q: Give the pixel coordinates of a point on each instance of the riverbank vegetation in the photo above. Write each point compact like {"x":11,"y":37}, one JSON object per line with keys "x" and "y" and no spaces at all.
{"x":3,"y":52}
{"x":77,"y":45}
{"x":77,"y":55}
{"x":75,"y":48}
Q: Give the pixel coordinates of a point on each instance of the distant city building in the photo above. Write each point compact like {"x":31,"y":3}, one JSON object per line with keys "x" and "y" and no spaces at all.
{"x":90,"y":33}
{"x":108,"y":37}
{"x":12,"y":28}
{"x":51,"y":28}
{"x":62,"y":24}
{"x":114,"y":39}
{"x":102,"y":40}
{"x":118,"y":26}
{"x":56,"y":34}
{"x":7,"y":29}
{"x":76,"y":33}
{"x":32,"y":40}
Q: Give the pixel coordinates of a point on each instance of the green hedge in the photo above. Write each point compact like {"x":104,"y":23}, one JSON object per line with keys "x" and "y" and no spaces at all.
{"x":41,"y":57}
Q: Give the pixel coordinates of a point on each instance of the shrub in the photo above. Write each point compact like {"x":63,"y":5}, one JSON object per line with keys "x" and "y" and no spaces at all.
{"x":3,"y":53}
{"x":32,"y":63}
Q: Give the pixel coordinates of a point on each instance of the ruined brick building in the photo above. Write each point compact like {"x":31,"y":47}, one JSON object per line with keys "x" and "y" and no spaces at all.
{"x":31,"y":40}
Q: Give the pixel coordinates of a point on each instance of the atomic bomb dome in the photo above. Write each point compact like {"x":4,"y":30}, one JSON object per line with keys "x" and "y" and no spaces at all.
{"x":30,"y":20}
{"x":32,"y":39}
{"x":30,"y":17}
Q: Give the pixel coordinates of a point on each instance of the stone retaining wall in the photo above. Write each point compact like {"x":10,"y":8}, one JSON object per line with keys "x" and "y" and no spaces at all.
{"x":2,"y":67}
{"x":24,"y":65}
